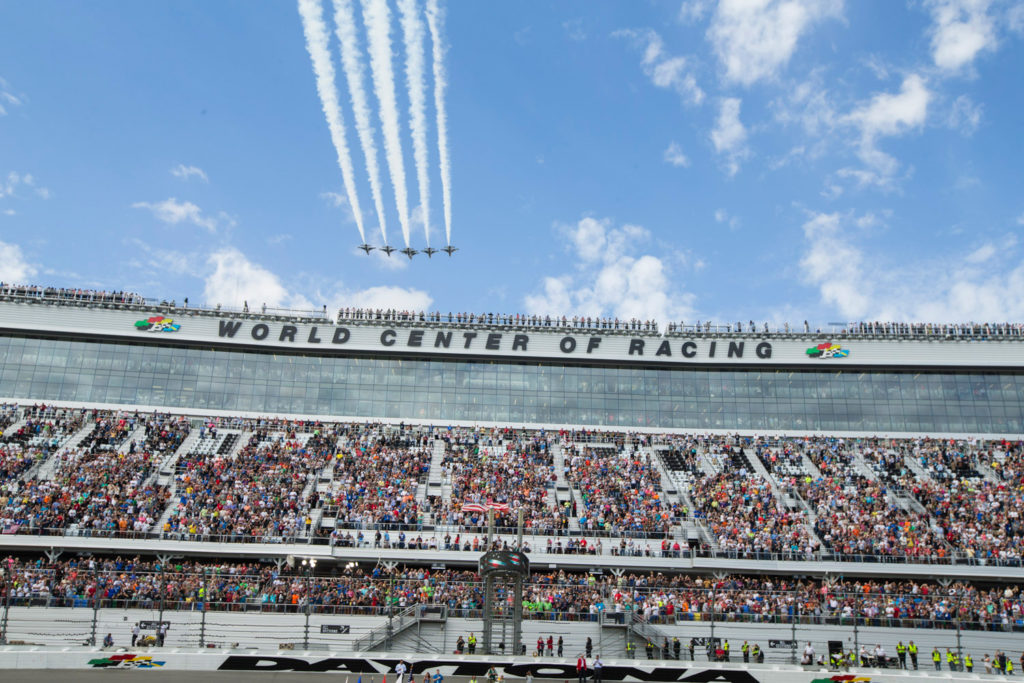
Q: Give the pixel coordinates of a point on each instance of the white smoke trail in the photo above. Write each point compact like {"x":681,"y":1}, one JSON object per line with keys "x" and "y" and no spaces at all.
{"x":435,"y":22}
{"x":412,"y":31}
{"x":316,"y":44}
{"x":377,"y":17}
{"x":352,"y":63}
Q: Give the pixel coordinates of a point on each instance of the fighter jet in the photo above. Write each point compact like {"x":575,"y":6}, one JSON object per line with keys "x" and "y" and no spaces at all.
{"x":450,"y":250}
{"x":410,"y":252}
{"x":387,"y":249}
{"x":429,"y":251}
{"x":366,"y":247}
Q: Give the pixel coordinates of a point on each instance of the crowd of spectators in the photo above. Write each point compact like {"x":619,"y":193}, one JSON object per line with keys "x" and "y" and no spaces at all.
{"x":908,"y":500}
{"x":746,"y":519}
{"x":133,"y":582}
{"x":101,"y":492}
{"x":519,"y":320}
{"x":548,"y":594}
{"x":164,"y":433}
{"x":376,"y":480}
{"x":620,"y":491}
{"x":260,"y":492}
{"x":518,"y":475}
{"x":866,"y":329}
{"x":42,"y":426}
{"x":70,"y":294}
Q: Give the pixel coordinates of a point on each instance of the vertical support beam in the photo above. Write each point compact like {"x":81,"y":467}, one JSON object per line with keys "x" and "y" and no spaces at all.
{"x":792,"y":619}
{"x":856,"y":635}
{"x":95,"y":619}
{"x":206,"y":601}
{"x":389,"y":567}
{"x":488,"y":611}
{"x":7,"y":609}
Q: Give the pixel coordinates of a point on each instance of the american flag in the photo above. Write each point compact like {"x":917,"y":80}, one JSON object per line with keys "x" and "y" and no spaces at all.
{"x":483,"y":507}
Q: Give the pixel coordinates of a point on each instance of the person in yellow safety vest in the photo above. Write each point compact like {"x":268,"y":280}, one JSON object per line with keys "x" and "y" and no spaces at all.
{"x":472,"y":644}
{"x":757,"y":652}
{"x":956,"y":662}
{"x":725,"y":648}
{"x":969,"y":662}
{"x":912,"y":649}
{"x":901,"y":652}
{"x":851,"y":659}
{"x":937,"y":658}
{"x":630,"y":650}
{"x":1009,"y":666}
{"x":949,"y":660}
{"x":745,"y":648}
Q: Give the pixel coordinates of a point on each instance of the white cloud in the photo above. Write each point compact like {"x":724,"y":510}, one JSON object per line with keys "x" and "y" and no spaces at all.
{"x":1020,"y":219}
{"x":754,"y":39}
{"x":385,"y":297}
{"x":611,"y":277}
{"x":886,"y":115}
{"x":809,"y":105}
{"x":7,"y":98}
{"x":961,"y":29}
{"x":16,"y":183}
{"x":965,"y":115}
{"x":860,"y":285}
{"x":1015,"y":18}
{"x":235,"y":280}
{"x":185,"y":172}
{"x":13,"y":266}
{"x":692,"y":11}
{"x":574,"y":30}
{"x":674,"y":156}
{"x":729,"y":136}
{"x":158,"y":259}
{"x":982,"y":253}
{"x":172,"y":211}
{"x":725,"y":218}
{"x":664,"y":70}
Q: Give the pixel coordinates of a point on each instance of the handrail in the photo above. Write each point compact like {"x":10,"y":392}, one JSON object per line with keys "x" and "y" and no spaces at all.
{"x":395,"y":625}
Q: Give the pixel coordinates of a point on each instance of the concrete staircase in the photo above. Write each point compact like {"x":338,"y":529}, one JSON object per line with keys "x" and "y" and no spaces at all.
{"x":914,"y":465}
{"x":136,"y":436}
{"x":47,"y":469}
{"x":809,"y":465}
{"x":861,"y":466}
{"x":708,"y":464}
{"x":15,"y":426}
{"x":435,"y":477}
{"x":165,"y":475}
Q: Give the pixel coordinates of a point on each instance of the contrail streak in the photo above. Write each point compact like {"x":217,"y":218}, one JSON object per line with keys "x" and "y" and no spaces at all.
{"x":377,"y":18}
{"x":316,"y":44}
{"x":435,"y":22}
{"x":412,"y":31}
{"x":352,"y":63}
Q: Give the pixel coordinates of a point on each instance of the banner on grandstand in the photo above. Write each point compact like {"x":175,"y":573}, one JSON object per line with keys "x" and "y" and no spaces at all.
{"x":335,"y":628}
{"x":782,"y":644}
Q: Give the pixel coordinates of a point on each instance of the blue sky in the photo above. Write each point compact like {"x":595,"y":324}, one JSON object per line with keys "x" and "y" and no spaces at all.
{"x":750,"y":159}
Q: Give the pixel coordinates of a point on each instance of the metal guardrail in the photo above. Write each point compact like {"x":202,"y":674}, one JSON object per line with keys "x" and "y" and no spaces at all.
{"x":535,"y":544}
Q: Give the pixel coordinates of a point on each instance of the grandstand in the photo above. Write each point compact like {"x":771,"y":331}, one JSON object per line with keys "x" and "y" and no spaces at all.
{"x":270,"y":480}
